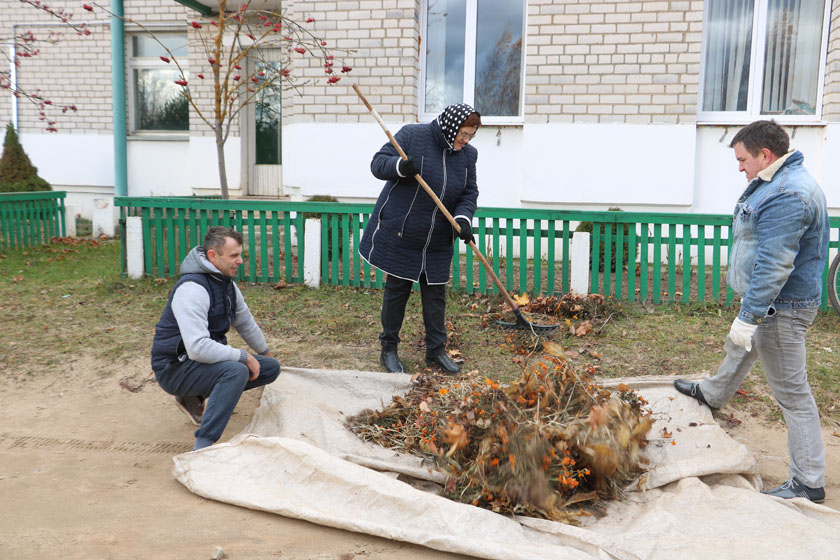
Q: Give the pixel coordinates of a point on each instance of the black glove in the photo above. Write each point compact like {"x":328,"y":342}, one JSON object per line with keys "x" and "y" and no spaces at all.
{"x":466,"y":234}
{"x":408,"y":168}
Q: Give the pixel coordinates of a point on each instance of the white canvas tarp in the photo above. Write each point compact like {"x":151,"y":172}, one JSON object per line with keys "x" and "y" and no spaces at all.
{"x":700,"y":499}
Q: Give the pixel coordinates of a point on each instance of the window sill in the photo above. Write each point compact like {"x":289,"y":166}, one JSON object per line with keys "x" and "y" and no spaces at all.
{"x":485,"y":121}
{"x":745,"y":122}
{"x":158,"y":137}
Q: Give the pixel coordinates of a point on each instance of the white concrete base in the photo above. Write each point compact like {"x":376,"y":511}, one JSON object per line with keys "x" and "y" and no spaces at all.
{"x":134,"y":247}
{"x":312,"y":252}
{"x":104,"y":217}
{"x":69,"y":221}
{"x":579,"y":280}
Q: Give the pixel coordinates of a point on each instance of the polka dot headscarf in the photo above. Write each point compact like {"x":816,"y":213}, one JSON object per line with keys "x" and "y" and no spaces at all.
{"x":451,"y":119}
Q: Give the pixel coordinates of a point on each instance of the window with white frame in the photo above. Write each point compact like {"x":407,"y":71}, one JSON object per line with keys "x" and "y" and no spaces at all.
{"x":763,"y":58}
{"x":473,"y":54}
{"x":268,"y":111}
{"x":156,"y":102}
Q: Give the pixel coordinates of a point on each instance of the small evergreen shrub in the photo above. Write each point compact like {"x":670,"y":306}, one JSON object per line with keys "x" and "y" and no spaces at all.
{"x":17,"y":174}
{"x":617,"y":230}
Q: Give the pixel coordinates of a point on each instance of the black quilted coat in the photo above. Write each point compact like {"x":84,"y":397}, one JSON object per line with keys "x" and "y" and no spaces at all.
{"x":407,"y":234}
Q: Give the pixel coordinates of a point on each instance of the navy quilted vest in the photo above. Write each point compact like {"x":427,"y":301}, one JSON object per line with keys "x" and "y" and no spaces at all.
{"x":168,"y":345}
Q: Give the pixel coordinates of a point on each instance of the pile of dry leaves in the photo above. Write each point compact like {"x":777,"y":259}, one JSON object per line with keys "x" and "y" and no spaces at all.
{"x":544,"y":445}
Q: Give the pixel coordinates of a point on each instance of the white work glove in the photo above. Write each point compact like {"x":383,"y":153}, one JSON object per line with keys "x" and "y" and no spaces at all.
{"x":741,"y":333}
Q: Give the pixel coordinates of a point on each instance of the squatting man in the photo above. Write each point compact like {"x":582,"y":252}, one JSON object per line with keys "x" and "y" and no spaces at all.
{"x":190,"y":354}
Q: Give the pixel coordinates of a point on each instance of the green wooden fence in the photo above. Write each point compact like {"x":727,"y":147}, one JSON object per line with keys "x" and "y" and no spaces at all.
{"x":658,"y":257}
{"x":31,"y":218}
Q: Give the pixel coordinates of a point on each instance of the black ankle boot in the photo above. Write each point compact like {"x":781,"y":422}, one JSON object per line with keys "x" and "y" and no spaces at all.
{"x":391,"y":361}
{"x":444,"y":361}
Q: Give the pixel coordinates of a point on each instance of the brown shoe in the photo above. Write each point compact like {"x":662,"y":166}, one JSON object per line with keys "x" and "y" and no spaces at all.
{"x":192,"y":406}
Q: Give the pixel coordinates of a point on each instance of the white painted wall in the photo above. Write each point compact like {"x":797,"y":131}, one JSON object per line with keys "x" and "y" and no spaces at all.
{"x":158,"y":168}
{"x":332,"y":158}
{"x":501,"y":158}
{"x":829,"y":179}
{"x":84,"y":164}
{"x":202,"y":170}
{"x":718,"y":183}
{"x":556,"y":164}
{"x":612,"y":164}
{"x":72,"y":159}
{"x":678,"y":168}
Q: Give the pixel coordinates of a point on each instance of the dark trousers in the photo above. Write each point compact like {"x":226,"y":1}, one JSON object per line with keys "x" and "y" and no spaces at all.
{"x":433,"y":298}
{"x":222,"y":382}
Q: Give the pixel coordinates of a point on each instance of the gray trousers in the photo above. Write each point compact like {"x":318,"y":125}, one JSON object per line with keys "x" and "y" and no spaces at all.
{"x":779,"y":342}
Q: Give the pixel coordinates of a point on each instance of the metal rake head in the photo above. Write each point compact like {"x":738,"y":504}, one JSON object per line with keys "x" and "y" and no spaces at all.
{"x":524,"y":324}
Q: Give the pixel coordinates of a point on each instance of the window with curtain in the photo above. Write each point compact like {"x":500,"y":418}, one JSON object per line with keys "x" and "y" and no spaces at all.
{"x":156,"y":102}
{"x":763,"y":58}
{"x":473,"y":54}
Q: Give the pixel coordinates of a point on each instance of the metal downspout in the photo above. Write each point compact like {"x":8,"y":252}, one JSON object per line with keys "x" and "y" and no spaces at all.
{"x":118,"y":98}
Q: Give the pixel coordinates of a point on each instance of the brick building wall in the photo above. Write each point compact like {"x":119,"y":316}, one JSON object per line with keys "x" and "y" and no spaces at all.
{"x":620,"y":61}
{"x":616,"y":62}
{"x":378,"y":39}
{"x":831,"y":96}
{"x":74,"y":69}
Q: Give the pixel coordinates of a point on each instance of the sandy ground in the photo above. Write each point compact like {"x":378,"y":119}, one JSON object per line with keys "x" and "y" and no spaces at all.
{"x":85,"y":461}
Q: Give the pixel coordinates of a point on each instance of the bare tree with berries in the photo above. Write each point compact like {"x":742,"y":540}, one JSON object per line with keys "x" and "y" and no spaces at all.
{"x":230,"y":39}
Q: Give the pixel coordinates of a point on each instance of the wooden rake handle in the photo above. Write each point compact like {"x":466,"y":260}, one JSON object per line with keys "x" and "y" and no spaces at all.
{"x":437,"y":201}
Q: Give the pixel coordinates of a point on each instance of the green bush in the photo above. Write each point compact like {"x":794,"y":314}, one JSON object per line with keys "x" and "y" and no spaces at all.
{"x":17,"y":174}
{"x":309,"y":215}
{"x":617,"y":229}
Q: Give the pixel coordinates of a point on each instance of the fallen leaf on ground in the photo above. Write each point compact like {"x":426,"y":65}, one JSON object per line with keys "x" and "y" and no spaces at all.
{"x":583,"y":329}
{"x":521,"y":300}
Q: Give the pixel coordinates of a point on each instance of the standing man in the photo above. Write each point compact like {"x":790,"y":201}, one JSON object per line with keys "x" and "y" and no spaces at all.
{"x":776,"y":263}
{"x":190,"y":355}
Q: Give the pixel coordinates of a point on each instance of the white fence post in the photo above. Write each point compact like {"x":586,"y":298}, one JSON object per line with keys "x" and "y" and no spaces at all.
{"x":70,"y":221}
{"x":580,"y":263}
{"x":134,"y":247}
{"x":312,"y":252}
{"x":103,"y":217}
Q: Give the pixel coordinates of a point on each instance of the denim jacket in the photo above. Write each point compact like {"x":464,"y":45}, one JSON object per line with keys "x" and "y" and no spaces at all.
{"x":780,"y":246}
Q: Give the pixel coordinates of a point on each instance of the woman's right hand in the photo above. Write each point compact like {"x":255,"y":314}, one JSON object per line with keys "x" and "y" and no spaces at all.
{"x":408,"y":168}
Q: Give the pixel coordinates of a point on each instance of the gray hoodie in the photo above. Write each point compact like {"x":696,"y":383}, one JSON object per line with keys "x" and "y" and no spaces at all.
{"x":190,"y":305}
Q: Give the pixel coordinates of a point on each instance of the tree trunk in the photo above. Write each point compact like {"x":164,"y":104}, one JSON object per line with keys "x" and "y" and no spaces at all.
{"x":220,"y":157}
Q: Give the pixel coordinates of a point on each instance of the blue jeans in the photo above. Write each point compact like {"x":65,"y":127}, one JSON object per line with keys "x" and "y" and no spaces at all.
{"x":779,"y":342}
{"x":221,"y":383}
